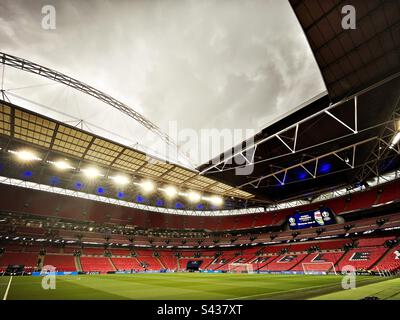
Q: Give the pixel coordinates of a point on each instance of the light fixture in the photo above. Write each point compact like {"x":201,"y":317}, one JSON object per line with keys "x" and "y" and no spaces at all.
{"x":25,"y":155}
{"x":91,"y":172}
{"x":395,"y":140}
{"x":61,"y":165}
{"x":147,"y":186}
{"x":216,"y":200}
{"x":170,"y":191}
{"x":121,"y":180}
{"x":194,"y":196}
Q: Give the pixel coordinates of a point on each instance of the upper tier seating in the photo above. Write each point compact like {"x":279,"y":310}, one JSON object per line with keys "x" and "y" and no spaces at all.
{"x":17,"y":199}
{"x":391,"y":192}
{"x":373,"y":242}
{"x":120,"y":252}
{"x":361,"y":200}
{"x":93,"y":251}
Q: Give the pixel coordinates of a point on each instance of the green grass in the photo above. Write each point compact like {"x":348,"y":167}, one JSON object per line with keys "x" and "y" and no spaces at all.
{"x":198,"y":286}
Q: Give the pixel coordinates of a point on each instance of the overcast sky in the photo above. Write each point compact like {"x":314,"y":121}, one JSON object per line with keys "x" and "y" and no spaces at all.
{"x":233,"y":64}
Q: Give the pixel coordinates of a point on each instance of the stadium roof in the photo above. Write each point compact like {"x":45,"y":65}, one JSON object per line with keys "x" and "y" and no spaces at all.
{"x":340,"y":139}
{"x":182,"y":63}
{"x":52,"y":140}
{"x":331,"y":142}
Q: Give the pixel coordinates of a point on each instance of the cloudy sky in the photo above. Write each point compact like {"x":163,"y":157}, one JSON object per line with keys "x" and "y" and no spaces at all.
{"x":235,"y":64}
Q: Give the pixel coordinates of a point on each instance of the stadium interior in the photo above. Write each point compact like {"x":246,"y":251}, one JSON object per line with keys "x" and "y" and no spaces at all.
{"x":313,"y":203}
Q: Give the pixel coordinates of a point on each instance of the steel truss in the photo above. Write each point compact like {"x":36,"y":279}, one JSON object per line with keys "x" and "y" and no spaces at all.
{"x":370,"y":167}
{"x":31,"y":67}
{"x":383,"y":148}
{"x":311,"y":163}
{"x":123,"y":203}
{"x":289,"y":136}
{"x":284,"y":136}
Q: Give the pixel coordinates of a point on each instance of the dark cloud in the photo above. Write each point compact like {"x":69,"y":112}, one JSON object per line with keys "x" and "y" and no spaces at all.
{"x":206,"y":64}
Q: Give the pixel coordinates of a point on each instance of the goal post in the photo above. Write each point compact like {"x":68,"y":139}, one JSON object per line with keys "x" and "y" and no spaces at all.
{"x":318,"y":267}
{"x":240,"y":268}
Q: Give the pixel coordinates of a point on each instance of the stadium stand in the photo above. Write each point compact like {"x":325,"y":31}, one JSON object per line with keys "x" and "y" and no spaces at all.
{"x":285,"y":262}
{"x":28,"y":260}
{"x":373,"y":242}
{"x":73,"y":209}
{"x":61,"y":262}
{"x":390,"y":261}
{"x":126,"y":263}
{"x":96,"y":264}
{"x":361,"y":259}
{"x":169,"y":261}
{"x":318,"y":260}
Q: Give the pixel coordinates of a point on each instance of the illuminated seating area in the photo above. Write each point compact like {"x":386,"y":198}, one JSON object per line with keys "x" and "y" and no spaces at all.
{"x":285,"y":262}
{"x":169,"y":261}
{"x":150,"y":263}
{"x":361,"y":259}
{"x":318,"y":261}
{"x":390,"y":262}
{"x":29,"y":260}
{"x":124,"y":264}
{"x":373,"y":242}
{"x":96,"y":264}
{"x":75,"y":209}
{"x":61,"y":262}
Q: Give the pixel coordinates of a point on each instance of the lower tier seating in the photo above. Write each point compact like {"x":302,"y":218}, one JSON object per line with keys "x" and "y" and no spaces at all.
{"x":61,"y":262}
{"x":321,"y":261}
{"x":170,"y":262}
{"x":29,"y":260}
{"x":100,"y":264}
{"x":285,"y":262}
{"x":122,"y":264}
{"x":361,"y":258}
{"x":150,"y":263}
{"x":390,"y":262}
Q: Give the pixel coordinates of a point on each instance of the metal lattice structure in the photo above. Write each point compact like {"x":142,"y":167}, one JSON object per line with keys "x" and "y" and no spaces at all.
{"x":51,"y":138}
{"x":361,"y":71}
{"x":31,"y":67}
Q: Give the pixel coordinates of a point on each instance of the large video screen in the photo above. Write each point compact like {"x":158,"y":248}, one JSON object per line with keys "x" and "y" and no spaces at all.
{"x":308,"y":219}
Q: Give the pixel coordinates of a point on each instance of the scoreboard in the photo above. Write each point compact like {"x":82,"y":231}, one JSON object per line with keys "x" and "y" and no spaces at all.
{"x":314,"y":218}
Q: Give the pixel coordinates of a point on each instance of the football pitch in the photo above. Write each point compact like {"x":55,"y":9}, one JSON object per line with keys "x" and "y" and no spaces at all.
{"x":189,"y":286}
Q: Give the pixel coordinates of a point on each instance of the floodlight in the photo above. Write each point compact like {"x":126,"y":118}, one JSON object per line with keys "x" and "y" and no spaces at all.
{"x":62,"y":165}
{"x":395,"y":140}
{"x":91,"y":172}
{"x":147,"y":186}
{"x":121,"y":180}
{"x":216,"y":200}
{"x":170,"y":191}
{"x":26,"y":155}
{"x":194,"y":196}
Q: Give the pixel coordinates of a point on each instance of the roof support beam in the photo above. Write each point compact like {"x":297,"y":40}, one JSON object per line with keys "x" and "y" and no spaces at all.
{"x":303,"y":163}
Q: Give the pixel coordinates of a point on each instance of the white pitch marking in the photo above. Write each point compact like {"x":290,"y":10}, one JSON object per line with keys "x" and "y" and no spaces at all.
{"x":8,"y":288}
